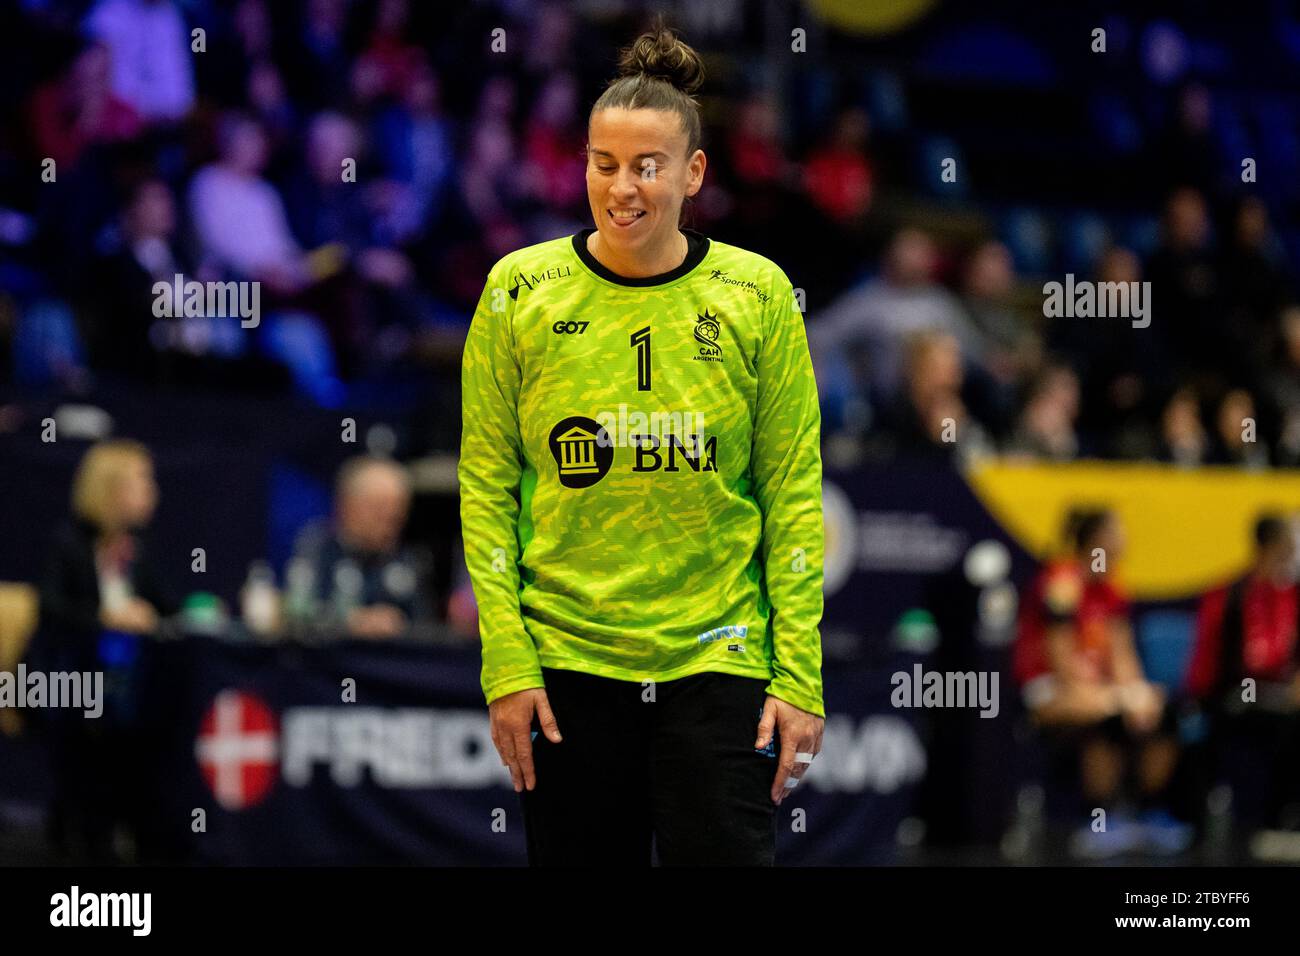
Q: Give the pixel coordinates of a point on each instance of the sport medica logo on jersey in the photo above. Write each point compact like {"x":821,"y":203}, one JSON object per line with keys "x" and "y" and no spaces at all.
{"x":745,"y":285}
{"x":666,"y":441}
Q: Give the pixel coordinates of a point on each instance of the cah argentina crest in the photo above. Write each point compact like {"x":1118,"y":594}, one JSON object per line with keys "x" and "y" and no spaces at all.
{"x":707,"y":332}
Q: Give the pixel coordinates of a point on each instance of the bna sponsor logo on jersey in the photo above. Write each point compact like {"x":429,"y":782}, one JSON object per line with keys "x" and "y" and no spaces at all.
{"x":531,"y":280}
{"x":583,"y":448}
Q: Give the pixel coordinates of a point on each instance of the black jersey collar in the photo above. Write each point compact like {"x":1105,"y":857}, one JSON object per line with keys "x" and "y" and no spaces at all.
{"x":697,"y":248}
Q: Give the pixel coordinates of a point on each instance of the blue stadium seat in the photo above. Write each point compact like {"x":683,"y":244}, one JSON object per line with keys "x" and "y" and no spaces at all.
{"x":1164,"y":639}
{"x":45,"y":343}
{"x":296,"y":499}
{"x":987,"y":52}
{"x":1028,"y":235}
{"x":886,"y":101}
{"x":934,"y":149}
{"x":1084,"y":236}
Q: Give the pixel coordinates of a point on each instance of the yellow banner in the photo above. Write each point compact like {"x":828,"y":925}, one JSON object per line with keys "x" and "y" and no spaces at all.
{"x":1186,"y":530}
{"x":873,"y":17}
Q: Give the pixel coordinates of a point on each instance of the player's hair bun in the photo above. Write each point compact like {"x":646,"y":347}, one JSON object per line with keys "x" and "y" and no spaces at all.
{"x":660,"y":54}
{"x":658,"y":72}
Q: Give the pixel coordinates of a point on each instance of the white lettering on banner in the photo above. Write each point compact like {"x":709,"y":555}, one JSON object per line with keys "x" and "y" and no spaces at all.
{"x":400,"y":748}
{"x":881,"y":753}
{"x":416,"y":747}
{"x":907,"y":541}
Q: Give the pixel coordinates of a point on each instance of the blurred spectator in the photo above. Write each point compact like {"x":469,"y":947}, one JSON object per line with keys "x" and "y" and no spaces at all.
{"x":98,"y":576}
{"x":323,"y":206}
{"x":387,"y":65}
{"x":1182,"y":436}
{"x":79,"y":108}
{"x":1012,"y":348}
{"x":1256,"y":285}
{"x":318,"y":60}
{"x":554,"y":147}
{"x":491,"y":185}
{"x":1124,"y":370}
{"x":1081,"y":678}
{"x":1284,"y":388}
{"x":413,"y":141}
{"x":252,"y":24}
{"x":1247,"y":630}
{"x":1187,"y":152}
{"x":550,"y":45}
{"x":375,"y":285}
{"x":930,"y":420}
{"x":142,"y":253}
{"x":1187,"y":309}
{"x":151,"y":56}
{"x":371,"y":584}
{"x":988,"y":285}
{"x":124,"y":328}
{"x":270,"y":105}
{"x":755,"y":155}
{"x":238,"y":217}
{"x":837,"y":175}
{"x":98,"y":579}
{"x":1237,"y":439}
{"x":1046,"y":428}
{"x":858,"y":341}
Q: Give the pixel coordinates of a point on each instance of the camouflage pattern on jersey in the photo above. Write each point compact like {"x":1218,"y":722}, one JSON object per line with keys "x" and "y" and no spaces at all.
{"x":640,"y":474}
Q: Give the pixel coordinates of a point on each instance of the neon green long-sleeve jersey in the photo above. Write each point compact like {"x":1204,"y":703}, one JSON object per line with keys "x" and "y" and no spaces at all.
{"x":640,"y":473}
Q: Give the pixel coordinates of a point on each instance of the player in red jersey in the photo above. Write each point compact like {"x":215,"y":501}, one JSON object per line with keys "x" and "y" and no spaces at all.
{"x":1244,"y":673}
{"x":1082,"y":681}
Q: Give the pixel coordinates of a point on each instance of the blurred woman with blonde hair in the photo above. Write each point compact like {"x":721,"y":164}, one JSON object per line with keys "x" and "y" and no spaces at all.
{"x":97,"y":580}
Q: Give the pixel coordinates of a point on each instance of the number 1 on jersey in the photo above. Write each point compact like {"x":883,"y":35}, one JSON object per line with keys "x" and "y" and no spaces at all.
{"x":641,"y":342}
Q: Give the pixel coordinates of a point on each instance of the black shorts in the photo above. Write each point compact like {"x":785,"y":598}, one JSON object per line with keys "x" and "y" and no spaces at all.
{"x":680,"y":771}
{"x":1113,"y":730}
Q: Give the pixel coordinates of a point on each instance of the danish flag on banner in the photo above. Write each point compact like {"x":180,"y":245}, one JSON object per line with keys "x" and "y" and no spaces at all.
{"x":238,"y":749}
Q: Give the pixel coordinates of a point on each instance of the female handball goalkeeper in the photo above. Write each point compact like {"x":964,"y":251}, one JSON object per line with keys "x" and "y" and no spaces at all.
{"x":640,"y":482}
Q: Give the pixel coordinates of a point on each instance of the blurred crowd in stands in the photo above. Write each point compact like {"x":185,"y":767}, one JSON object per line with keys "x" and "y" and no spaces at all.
{"x":214,"y":140}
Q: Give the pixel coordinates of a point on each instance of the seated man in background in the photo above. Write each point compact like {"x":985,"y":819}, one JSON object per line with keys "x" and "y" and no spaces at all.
{"x":368,"y":583}
{"x":1243,"y":671}
{"x":1082,"y":681}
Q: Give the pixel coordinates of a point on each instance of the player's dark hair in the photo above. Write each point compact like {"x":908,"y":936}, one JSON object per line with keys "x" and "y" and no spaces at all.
{"x":1269,"y":530}
{"x":658,"y":72}
{"x":1082,"y":525}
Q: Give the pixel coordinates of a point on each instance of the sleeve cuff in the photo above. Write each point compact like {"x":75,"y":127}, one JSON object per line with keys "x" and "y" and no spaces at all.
{"x":798,"y":698}
{"x":500,"y":688}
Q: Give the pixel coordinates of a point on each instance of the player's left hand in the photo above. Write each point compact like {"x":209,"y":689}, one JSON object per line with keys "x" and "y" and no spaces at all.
{"x":801,"y":741}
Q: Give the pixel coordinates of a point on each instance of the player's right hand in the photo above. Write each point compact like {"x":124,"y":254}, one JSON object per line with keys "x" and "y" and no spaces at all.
{"x":511,"y":719}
